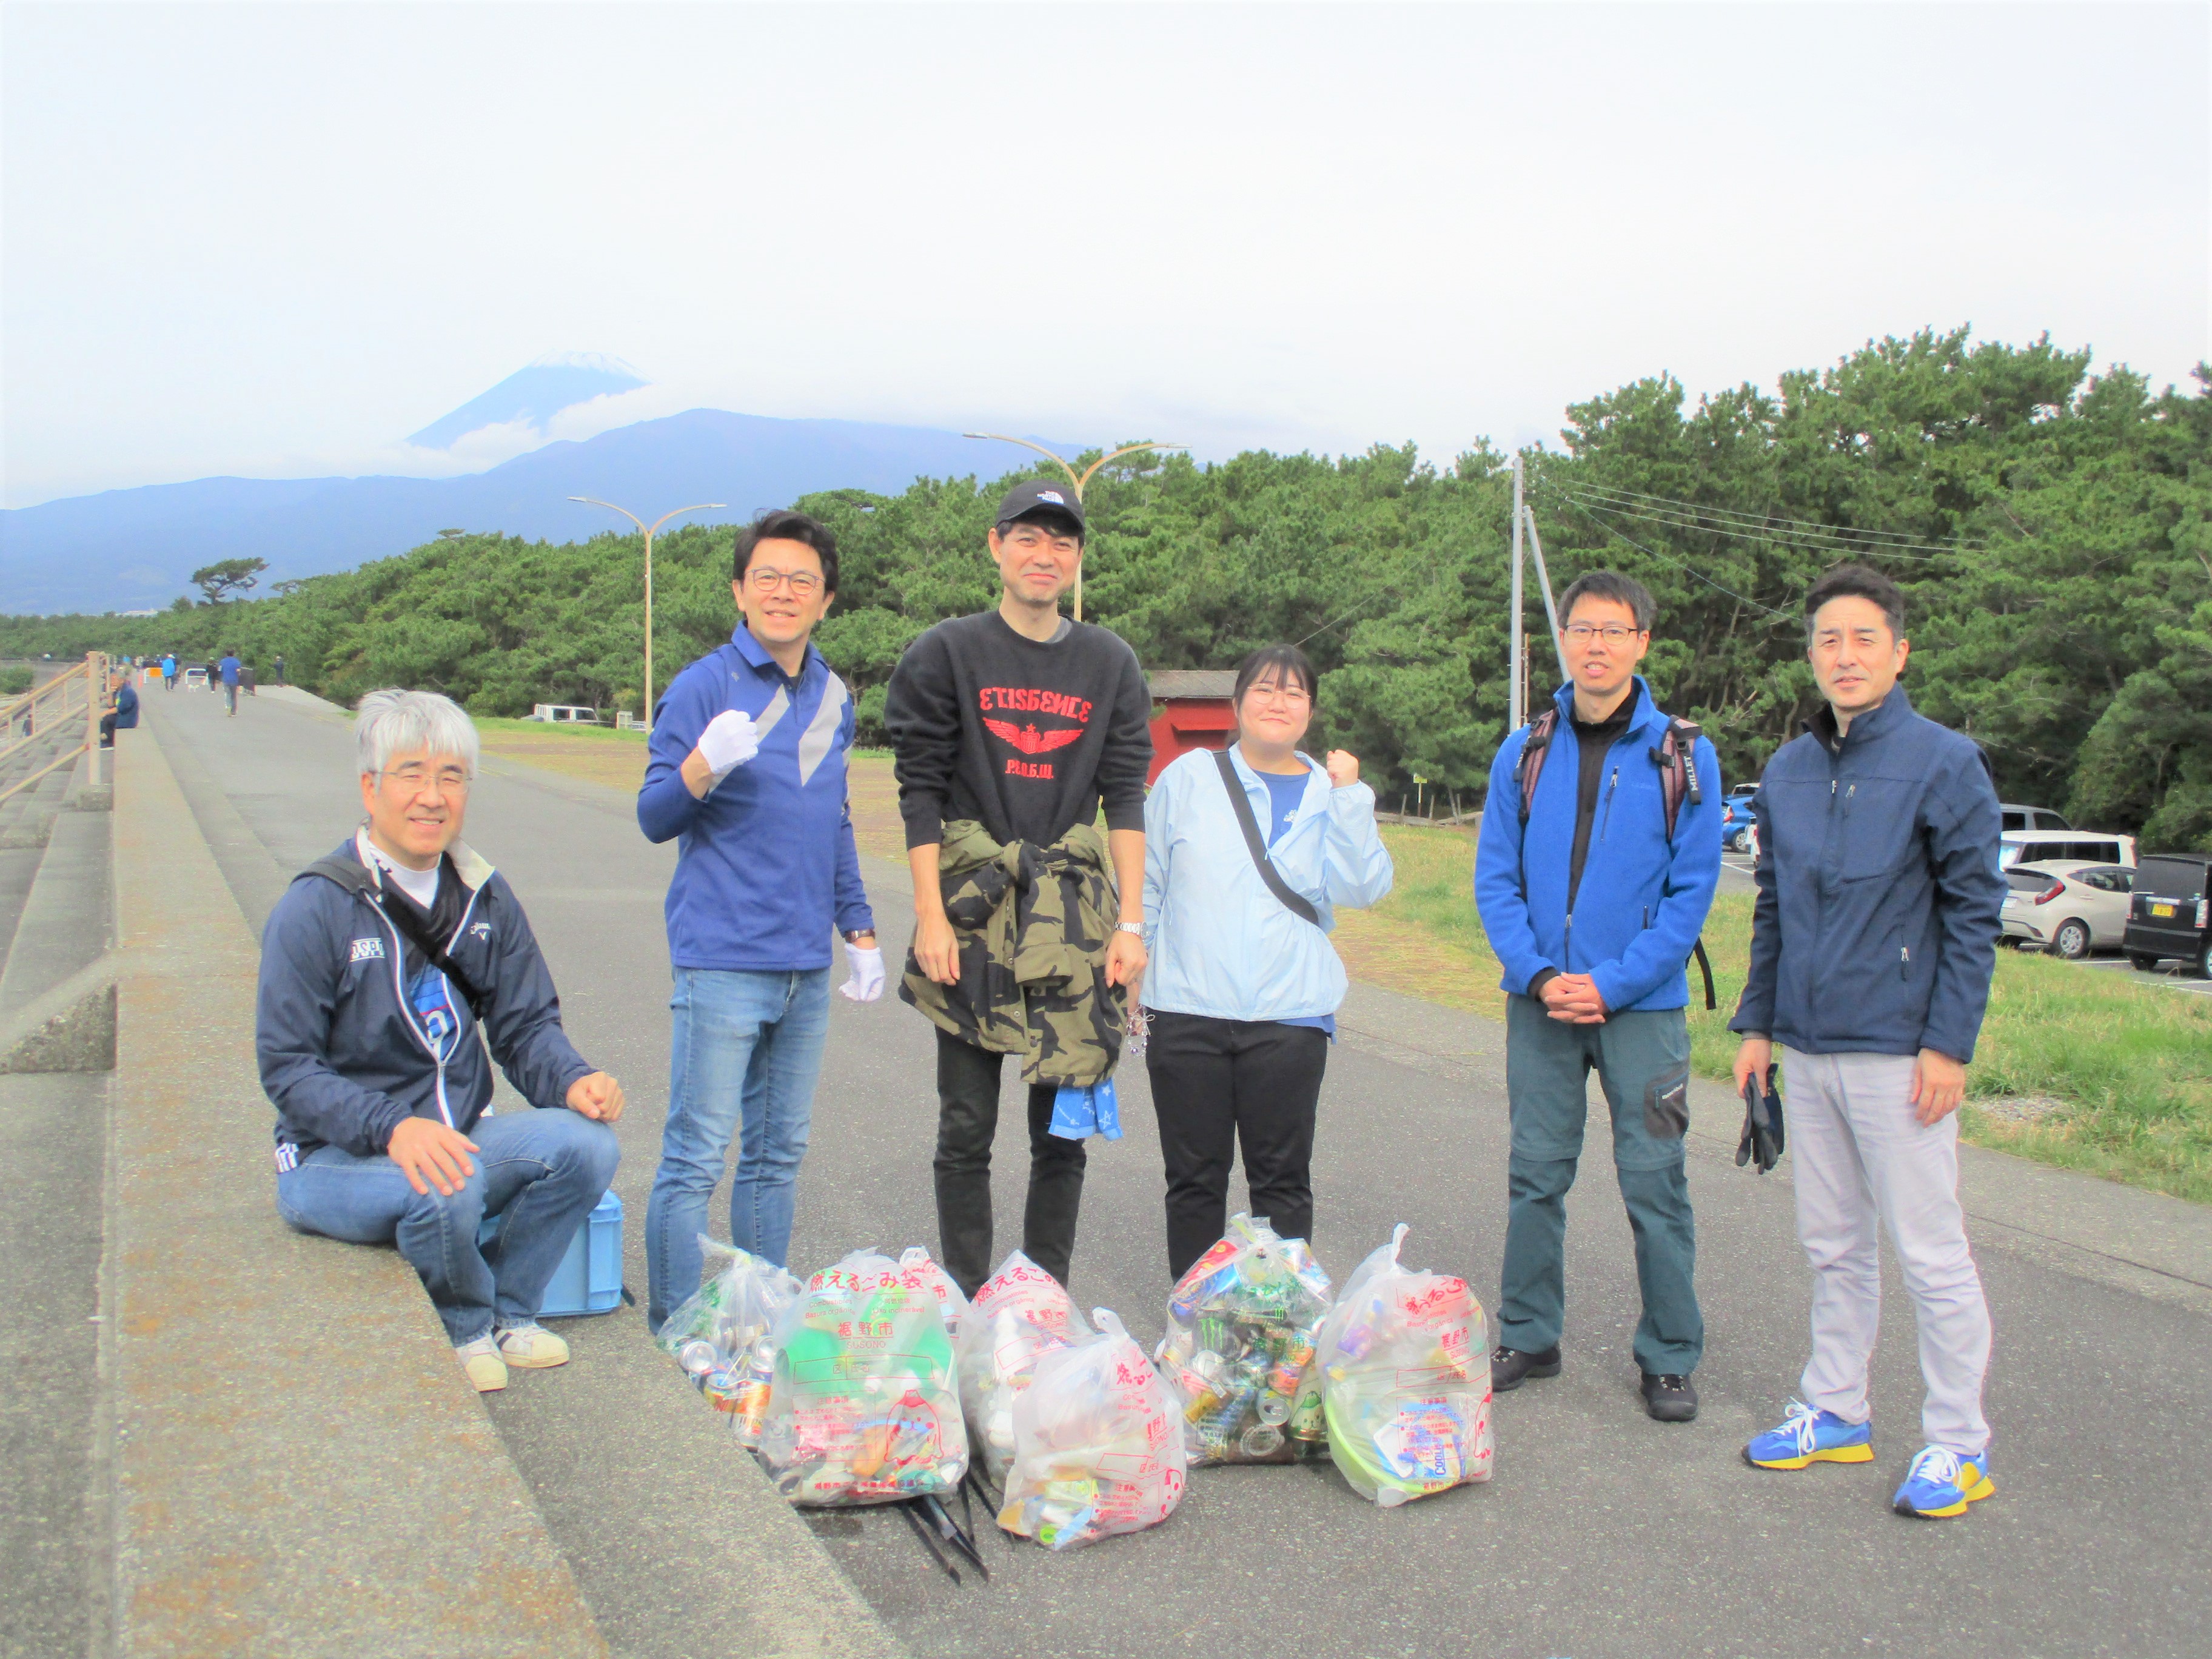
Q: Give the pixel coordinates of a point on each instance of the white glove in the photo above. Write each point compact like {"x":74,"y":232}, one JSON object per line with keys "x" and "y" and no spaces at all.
{"x":867,"y":984}
{"x":730,"y":740}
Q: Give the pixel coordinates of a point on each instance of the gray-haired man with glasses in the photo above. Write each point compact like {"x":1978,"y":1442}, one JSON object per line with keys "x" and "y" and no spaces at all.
{"x":747,"y":775}
{"x":379,"y":967}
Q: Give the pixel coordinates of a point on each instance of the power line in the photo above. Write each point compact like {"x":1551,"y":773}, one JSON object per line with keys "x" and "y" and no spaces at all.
{"x":1774,"y":519}
{"x":1663,"y":558}
{"x":1791,"y":532}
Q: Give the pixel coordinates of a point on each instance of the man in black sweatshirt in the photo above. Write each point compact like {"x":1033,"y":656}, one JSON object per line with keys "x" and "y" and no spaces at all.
{"x":1024,"y":723}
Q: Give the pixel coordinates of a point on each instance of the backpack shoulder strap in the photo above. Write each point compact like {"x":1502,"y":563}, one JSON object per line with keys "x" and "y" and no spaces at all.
{"x":1534,"y":748}
{"x":346,"y":873}
{"x":1676,"y":756}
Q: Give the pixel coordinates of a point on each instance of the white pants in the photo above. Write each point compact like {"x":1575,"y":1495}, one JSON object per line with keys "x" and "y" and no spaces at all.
{"x":1858,"y":1154}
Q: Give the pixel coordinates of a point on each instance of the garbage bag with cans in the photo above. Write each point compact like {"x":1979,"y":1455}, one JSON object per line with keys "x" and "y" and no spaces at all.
{"x":922,"y":1269}
{"x":862,"y":1406}
{"x":1098,"y":1444}
{"x":719,"y":1336}
{"x":1242,"y":1324}
{"x":1020,"y":1315}
{"x":1402,"y":1374}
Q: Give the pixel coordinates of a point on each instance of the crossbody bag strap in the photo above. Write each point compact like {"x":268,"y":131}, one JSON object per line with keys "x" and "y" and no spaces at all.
{"x":1292,"y":900}
{"x":356,"y":879}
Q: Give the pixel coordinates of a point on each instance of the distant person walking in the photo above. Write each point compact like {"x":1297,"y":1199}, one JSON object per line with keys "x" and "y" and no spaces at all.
{"x":169,"y":672}
{"x":746,"y":773}
{"x":280,"y":668}
{"x":228,"y":668}
{"x":1873,"y":942}
{"x":1244,"y":986}
{"x":1600,"y":848}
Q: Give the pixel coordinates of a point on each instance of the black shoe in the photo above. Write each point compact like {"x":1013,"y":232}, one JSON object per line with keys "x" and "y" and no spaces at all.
{"x":1510,"y":1368}
{"x":1670,"y":1399}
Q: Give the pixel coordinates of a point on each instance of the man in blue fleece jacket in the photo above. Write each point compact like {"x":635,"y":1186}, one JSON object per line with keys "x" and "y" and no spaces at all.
{"x":1593,"y":907}
{"x":747,"y":774}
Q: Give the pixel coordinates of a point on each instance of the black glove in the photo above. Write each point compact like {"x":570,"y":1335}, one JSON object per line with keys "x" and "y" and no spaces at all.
{"x":1762,"y":1124}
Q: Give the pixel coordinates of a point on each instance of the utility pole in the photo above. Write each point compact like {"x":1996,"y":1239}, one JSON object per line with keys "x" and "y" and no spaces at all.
{"x":1088,"y":473}
{"x":1524,"y":516}
{"x":1516,"y":714}
{"x":702,"y":507}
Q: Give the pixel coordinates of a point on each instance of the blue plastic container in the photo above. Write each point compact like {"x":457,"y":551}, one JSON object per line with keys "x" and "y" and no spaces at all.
{"x":589,"y":1280}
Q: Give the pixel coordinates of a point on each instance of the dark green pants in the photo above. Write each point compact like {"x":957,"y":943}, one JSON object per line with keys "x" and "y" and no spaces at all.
{"x":1643,"y":1064}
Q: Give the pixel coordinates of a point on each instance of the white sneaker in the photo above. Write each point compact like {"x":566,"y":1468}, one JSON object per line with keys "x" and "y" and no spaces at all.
{"x":532,"y":1346}
{"x":481,"y":1360}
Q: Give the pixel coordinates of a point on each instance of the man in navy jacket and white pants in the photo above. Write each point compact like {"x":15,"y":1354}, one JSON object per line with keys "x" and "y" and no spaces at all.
{"x":747,"y":774}
{"x":1872,"y":947}
{"x":370,"y":1052}
{"x":1593,"y":898}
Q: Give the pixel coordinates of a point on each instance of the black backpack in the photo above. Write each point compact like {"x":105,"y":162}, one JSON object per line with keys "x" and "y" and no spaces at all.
{"x":1676,"y":758}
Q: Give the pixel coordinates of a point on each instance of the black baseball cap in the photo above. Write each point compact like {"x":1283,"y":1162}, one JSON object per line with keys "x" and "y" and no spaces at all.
{"x":1035,"y":495}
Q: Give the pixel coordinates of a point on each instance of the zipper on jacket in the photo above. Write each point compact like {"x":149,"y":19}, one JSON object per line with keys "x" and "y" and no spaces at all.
{"x":1606,"y":816}
{"x":1905,"y":961}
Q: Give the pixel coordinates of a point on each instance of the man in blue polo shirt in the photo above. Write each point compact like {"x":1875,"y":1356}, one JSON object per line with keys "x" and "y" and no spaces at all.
{"x":747,"y":774}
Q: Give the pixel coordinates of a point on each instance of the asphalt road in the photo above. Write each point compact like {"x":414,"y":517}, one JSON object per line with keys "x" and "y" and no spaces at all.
{"x":1603,"y":1533}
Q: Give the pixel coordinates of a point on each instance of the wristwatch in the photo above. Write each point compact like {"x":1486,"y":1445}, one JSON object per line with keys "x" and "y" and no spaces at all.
{"x":1136,"y":928}
{"x":860,"y":934}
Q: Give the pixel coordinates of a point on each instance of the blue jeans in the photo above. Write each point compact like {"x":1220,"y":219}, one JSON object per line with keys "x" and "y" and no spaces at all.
{"x":1642,"y":1059}
{"x":540,"y":1172}
{"x":749,"y":1042}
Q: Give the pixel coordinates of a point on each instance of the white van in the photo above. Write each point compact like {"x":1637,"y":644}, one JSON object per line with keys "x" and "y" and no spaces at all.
{"x":565,"y":714}
{"x":2064,"y":847}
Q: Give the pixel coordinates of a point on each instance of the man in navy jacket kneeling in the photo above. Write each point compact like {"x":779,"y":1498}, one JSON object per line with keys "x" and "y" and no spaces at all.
{"x":379,"y":967}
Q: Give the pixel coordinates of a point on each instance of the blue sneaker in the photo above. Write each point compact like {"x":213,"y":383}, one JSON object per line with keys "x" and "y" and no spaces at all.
{"x":1942,"y":1483}
{"x":1805,"y":1436}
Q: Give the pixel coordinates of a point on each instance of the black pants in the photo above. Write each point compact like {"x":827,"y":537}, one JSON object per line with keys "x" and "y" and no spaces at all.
{"x":1219,"y":1082}
{"x":966,"y":1122}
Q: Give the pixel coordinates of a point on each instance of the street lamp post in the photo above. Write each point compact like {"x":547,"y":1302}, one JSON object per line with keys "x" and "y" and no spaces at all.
{"x":702,"y":507}
{"x":1088,"y":472}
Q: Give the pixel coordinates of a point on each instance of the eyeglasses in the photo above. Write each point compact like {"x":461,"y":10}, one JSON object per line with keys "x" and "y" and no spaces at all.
{"x":1275,"y":691}
{"x":1611,"y":633}
{"x":803,"y":583}
{"x":453,"y":780}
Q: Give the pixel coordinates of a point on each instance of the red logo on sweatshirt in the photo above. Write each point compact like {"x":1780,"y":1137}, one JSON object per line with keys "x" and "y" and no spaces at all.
{"x":1028,"y":741}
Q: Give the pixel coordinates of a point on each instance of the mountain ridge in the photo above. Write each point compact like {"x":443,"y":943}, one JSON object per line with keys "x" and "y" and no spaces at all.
{"x":123,"y":550}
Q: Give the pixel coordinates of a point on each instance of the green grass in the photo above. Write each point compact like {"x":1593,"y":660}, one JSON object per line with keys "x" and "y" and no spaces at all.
{"x":2130,"y":1064}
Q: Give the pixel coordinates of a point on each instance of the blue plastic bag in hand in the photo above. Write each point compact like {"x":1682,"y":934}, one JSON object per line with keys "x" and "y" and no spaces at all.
{"x":1079,"y":1113}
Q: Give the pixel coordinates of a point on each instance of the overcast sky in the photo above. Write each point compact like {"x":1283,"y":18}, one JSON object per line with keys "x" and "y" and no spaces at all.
{"x":271,"y":240}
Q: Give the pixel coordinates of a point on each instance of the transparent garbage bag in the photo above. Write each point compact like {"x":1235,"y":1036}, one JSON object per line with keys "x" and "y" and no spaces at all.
{"x":1020,"y":1314}
{"x":1098,"y":1444}
{"x":1242,"y":1326}
{"x":1402,"y":1371}
{"x":862,"y":1407}
{"x":922,"y":1268}
{"x":720,"y":1336}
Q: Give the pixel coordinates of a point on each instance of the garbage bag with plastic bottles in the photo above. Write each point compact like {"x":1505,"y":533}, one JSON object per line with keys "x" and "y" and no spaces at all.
{"x":1020,"y":1315}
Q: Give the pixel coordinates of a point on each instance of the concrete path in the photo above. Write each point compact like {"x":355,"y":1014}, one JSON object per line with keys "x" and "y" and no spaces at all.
{"x":1603,"y":1533}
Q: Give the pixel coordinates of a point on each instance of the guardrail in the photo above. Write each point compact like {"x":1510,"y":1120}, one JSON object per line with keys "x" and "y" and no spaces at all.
{"x":77,"y":696}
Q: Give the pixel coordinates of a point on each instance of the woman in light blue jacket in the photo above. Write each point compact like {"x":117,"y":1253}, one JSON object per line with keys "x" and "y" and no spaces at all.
{"x":1243,"y":985}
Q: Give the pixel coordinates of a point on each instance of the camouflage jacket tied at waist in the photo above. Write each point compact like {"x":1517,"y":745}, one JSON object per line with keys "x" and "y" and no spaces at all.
{"x":1032,"y":924}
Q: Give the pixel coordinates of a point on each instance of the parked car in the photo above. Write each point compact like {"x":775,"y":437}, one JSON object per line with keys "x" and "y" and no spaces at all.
{"x":1736,"y":816}
{"x":2070,"y":910}
{"x":2066,"y":847}
{"x":565,"y":714}
{"x":2030,"y":817}
{"x":2170,"y":914}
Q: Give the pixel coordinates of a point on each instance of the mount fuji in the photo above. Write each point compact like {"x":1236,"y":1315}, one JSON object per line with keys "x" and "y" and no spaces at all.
{"x":124,"y":549}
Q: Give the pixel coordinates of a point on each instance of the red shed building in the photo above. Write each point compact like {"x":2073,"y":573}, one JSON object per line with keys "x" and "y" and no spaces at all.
{"x":1191,"y":709}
